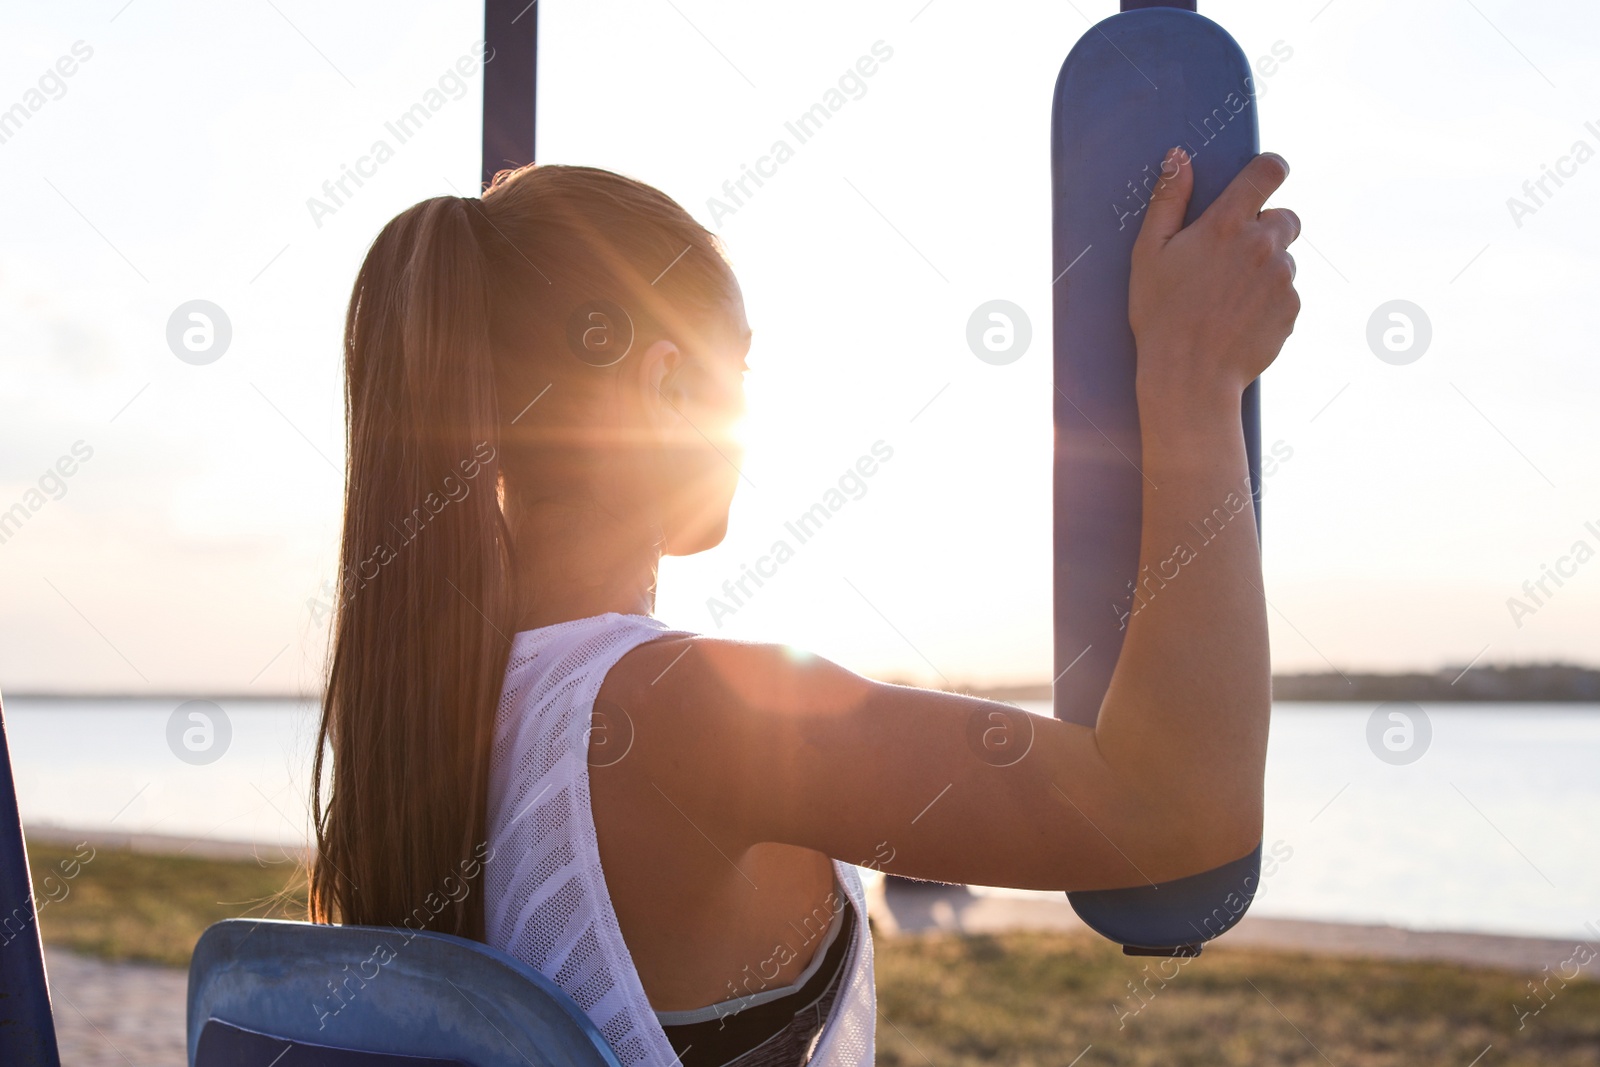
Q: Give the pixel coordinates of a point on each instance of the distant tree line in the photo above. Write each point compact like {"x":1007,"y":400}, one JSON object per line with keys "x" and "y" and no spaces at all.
{"x":1530,"y":682}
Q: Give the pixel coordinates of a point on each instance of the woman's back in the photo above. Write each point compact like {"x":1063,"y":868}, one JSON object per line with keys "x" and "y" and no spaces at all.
{"x":688,"y":910}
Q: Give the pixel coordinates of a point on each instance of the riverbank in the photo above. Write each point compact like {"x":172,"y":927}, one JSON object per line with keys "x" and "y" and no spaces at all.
{"x":914,"y":908}
{"x":166,"y":884}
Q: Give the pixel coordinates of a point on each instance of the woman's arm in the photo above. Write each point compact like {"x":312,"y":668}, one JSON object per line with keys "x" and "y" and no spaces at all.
{"x":753,"y":744}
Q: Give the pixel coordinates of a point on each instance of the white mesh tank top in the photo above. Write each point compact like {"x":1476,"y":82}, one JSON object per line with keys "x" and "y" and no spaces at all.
{"x":545,"y":898}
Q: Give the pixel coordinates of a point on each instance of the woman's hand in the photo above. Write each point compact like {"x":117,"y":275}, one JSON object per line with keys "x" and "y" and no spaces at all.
{"x":1211,"y":304}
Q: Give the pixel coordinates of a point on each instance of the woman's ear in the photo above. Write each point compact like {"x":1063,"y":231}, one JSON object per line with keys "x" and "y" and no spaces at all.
{"x":661,"y":388}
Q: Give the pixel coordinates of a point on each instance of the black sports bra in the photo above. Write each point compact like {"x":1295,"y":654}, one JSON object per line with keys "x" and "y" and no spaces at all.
{"x":777,"y":1033}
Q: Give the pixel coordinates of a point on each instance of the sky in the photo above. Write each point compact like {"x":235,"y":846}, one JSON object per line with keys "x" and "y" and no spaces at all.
{"x":191,"y":547}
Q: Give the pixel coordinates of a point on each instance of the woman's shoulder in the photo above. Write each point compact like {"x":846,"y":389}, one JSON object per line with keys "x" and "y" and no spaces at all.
{"x":716,"y":676}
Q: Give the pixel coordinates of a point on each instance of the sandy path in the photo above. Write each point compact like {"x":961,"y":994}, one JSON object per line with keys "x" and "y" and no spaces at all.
{"x":117,"y":1014}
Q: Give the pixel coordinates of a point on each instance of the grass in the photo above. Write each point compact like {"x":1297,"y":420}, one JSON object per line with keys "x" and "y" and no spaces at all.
{"x":1038,"y":999}
{"x":123,"y":905}
{"x":1024,"y":1000}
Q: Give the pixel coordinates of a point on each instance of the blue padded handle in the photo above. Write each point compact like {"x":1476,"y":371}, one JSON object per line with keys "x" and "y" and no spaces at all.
{"x":1135,"y":85}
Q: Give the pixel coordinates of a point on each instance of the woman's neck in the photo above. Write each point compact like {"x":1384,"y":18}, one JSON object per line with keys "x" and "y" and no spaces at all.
{"x":574,"y":563}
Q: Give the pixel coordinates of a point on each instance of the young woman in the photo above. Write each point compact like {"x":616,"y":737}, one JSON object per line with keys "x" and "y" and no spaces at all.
{"x":540,"y":391}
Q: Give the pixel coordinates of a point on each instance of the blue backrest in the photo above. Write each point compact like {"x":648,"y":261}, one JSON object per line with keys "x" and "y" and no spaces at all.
{"x":370,"y":996}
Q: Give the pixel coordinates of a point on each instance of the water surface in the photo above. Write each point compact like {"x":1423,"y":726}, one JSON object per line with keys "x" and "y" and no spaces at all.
{"x":1495,"y":828}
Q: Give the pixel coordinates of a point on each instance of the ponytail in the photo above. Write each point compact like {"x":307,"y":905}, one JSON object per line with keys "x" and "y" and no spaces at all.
{"x":420,"y":635}
{"x":451,"y":314}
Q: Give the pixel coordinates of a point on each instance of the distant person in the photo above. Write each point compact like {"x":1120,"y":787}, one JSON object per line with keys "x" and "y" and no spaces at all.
{"x":540,"y":387}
